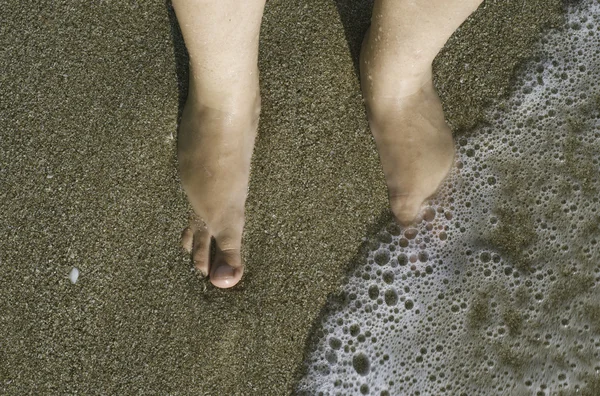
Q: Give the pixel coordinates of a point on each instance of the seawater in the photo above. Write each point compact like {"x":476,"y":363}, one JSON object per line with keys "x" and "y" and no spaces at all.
{"x":497,"y":289}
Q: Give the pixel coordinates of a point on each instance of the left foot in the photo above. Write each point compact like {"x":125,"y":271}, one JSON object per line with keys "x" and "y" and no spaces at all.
{"x":405,"y":115}
{"x":214,"y":149}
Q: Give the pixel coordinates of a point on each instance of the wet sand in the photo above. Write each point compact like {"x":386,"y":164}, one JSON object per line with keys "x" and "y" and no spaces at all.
{"x":90,"y":99}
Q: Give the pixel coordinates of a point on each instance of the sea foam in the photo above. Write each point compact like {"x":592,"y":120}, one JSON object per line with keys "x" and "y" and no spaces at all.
{"x":497,"y":290}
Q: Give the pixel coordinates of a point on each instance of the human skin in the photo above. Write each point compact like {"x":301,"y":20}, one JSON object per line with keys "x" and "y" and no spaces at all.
{"x":220,"y":118}
{"x":218,"y":128}
{"x":405,"y":113}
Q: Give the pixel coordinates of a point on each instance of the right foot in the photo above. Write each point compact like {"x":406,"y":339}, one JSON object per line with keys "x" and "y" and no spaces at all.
{"x":215,"y":143}
{"x":405,"y":113}
{"x":406,"y":118}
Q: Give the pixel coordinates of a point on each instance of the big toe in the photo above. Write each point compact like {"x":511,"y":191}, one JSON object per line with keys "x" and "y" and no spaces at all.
{"x":227,"y":269}
{"x":406,"y":207}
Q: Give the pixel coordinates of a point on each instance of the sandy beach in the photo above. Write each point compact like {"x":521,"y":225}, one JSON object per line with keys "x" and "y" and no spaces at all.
{"x":90,"y":99}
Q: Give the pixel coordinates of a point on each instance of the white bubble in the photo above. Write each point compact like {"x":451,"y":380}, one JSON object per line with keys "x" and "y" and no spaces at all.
{"x":497,"y":290}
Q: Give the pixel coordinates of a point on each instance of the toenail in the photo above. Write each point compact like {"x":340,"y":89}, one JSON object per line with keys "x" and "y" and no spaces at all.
{"x":201,"y":274}
{"x":223,"y":272}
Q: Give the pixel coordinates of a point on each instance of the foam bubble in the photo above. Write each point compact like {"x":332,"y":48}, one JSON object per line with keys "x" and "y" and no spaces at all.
{"x":496,"y":291}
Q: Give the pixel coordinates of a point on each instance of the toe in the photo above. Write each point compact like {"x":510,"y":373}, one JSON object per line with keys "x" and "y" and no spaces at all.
{"x":201,"y":251}
{"x":227,"y":269}
{"x":405,"y":207}
{"x":187,"y":239}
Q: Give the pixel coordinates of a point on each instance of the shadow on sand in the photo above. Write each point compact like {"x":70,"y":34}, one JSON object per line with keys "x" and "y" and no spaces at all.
{"x":356,"y":18}
{"x":181,"y":59}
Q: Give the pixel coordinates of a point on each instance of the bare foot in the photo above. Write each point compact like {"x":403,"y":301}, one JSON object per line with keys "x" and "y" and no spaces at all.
{"x":218,"y":128}
{"x":405,"y":113}
{"x":414,"y":142}
{"x":215,"y":146}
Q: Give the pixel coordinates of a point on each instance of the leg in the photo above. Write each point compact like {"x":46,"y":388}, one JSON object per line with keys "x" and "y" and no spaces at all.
{"x":218,"y":127}
{"x":405,"y":113}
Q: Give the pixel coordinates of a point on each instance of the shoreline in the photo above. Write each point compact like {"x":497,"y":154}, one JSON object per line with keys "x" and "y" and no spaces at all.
{"x":90,"y":102}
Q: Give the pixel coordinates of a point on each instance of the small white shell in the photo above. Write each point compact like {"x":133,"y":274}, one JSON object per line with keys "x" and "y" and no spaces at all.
{"x":73,"y":275}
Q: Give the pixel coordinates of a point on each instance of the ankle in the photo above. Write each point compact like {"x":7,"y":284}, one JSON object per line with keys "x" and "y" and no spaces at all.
{"x":233,"y":102}
{"x":385,"y":87}
{"x":387,"y":95}
{"x":387,"y":77}
{"x":229,"y":93}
